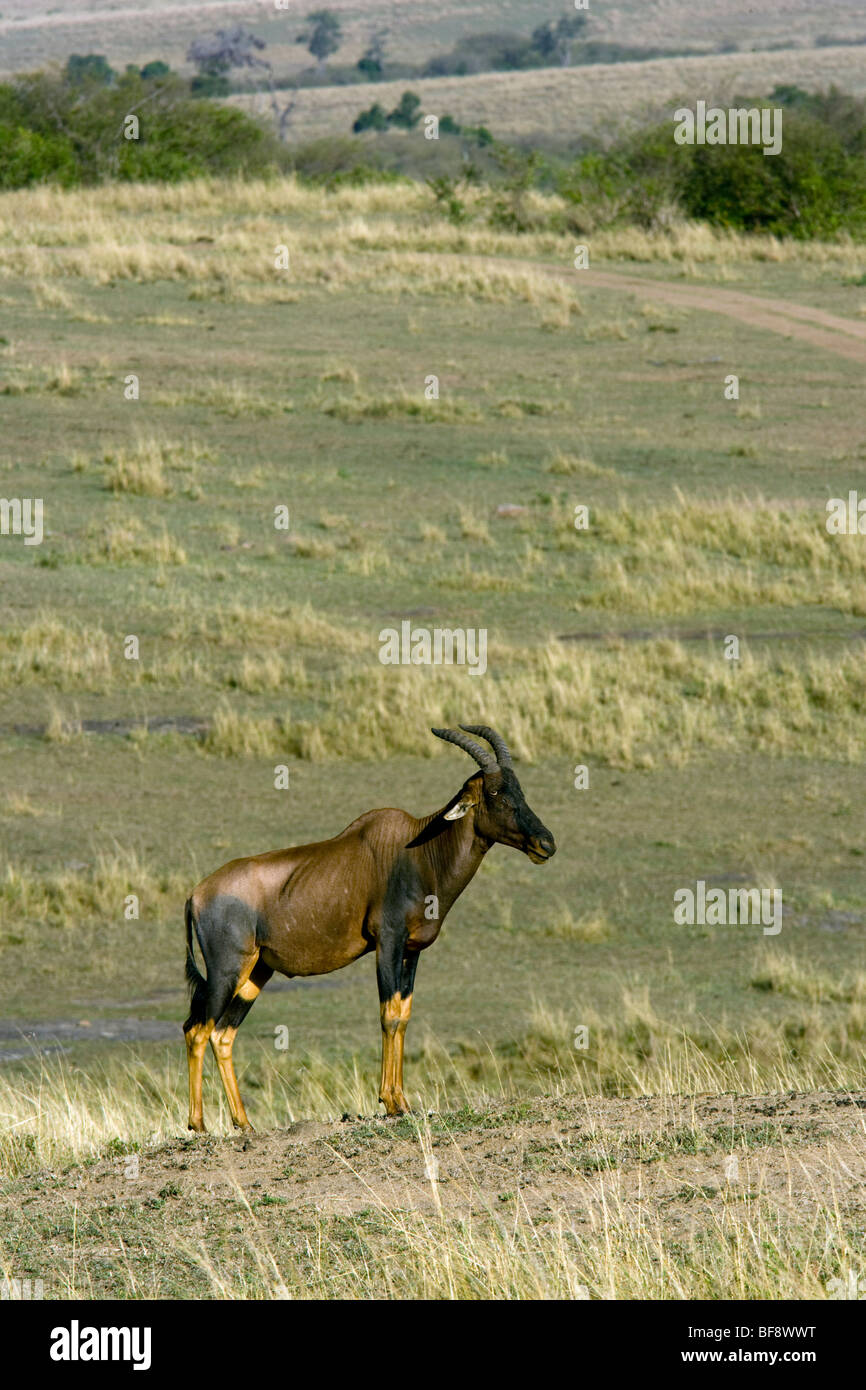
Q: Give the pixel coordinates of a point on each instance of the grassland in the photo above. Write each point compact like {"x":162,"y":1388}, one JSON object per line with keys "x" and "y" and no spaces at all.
{"x":305,"y":388}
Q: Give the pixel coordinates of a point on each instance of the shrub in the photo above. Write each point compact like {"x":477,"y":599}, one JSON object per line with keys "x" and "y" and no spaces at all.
{"x":407,"y":112}
{"x":373,"y":118}
{"x":814,"y":187}
{"x":210,"y":84}
{"x":29,"y":157}
{"x":91,"y":67}
{"x":57,"y":130}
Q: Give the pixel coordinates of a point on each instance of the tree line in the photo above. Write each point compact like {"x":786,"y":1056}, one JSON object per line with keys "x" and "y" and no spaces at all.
{"x":73,"y":127}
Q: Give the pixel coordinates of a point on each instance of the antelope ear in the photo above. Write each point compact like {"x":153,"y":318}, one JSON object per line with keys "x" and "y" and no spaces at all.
{"x":465,"y":803}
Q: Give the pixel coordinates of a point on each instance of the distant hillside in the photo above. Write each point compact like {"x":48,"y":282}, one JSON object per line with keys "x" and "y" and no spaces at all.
{"x":33,"y":32}
{"x":557,"y":102}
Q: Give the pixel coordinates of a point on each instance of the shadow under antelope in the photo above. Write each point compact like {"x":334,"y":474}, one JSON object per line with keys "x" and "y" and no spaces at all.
{"x":384,"y":884}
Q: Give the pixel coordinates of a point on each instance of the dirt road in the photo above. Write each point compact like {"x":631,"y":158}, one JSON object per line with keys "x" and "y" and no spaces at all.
{"x":823,"y":330}
{"x":829,"y":332}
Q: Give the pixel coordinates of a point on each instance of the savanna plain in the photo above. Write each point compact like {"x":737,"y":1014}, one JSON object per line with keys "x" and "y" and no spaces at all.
{"x":708,"y":1140}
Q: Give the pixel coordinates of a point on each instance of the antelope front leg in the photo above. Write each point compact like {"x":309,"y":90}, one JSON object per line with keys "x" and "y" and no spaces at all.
{"x":395,"y":973}
{"x":393,"y":1029}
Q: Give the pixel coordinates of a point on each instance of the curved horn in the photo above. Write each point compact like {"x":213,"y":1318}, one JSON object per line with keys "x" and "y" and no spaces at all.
{"x":485,"y":760}
{"x":497,"y":743}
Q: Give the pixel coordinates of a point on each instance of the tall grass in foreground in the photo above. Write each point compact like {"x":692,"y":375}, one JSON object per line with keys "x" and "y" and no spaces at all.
{"x":598,"y":1234}
{"x":747,"y":1251}
{"x":597,"y":1238}
{"x":54,"y":1113}
{"x":751,"y":1248}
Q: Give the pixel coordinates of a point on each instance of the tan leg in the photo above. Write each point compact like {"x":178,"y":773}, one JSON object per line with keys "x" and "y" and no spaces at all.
{"x":394,"y":1014}
{"x":223,"y":1037}
{"x":399,"y":1038}
{"x":222,"y":1041}
{"x":196,"y":1043}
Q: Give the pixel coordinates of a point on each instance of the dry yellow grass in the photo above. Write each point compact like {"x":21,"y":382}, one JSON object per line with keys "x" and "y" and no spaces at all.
{"x":62,"y":654}
{"x":781,"y":972}
{"x":669,"y":700}
{"x":574,"y":466}
{"x":632,"y":704}
{"x":473,"y":527}
{"x":402,"y":403}
{"x":63,"y":898}
{"x":130,"y":542}
{"x":735,"y":552}
{"x":381,"y":235}
{"x":140,"y":478}
{"x":72,"y":1114}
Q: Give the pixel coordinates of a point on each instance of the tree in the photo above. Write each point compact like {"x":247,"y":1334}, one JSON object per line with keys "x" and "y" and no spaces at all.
{"x":407,"y":113}
{"x":215,"y":54}
{"x":30,"y":157}
{"x":157,"y":68}
{"x":52,"y":130}
{"x":89,"y":67}
{"x":374,"y":56}
{"x":553,"y":41}
{"x":324,"y":36}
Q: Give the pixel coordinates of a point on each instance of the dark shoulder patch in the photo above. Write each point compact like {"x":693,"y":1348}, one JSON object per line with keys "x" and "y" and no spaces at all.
{"x":404,"y":884}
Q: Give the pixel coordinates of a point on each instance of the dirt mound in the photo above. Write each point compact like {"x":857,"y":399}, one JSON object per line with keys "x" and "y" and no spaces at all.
{"x":684,"y":1158}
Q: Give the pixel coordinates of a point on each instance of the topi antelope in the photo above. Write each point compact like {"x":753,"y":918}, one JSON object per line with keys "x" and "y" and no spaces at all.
{"x":385,"y":883}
